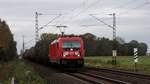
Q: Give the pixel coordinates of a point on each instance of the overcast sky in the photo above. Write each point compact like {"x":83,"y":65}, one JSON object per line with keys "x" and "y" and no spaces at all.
{"x":132,"y":18}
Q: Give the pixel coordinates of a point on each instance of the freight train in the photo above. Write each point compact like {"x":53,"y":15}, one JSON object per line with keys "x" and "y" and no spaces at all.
{"x":67,"y":52}
{"x":64,"y":51}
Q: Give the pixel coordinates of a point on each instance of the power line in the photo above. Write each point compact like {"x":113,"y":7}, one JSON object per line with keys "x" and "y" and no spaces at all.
{"x":50,"y":21}
{"x":37,"y":28}
{"x":72,"y":10}
{"x":128,"y":3}
{"x":91,"y":5}
{"x":139,"y":6}
{"x":23,"y":45}
{"x":120,"y":6}
{"x":122,"y":13}
{"x":100,"y":20}
{"x":29,"y":41}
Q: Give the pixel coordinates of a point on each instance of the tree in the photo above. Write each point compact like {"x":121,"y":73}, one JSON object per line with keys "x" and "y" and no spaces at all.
{"x":89,"y":44}
{"x":94,"y":46}
{"x":7,"y":43}
{"x":142,"y":49}
{"x":120,"y":40}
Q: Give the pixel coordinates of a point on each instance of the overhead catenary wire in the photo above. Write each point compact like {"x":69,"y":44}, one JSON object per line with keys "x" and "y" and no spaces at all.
{"x":37,"y":28}
{"x":71,"y":19}
{"x":139,"y":6}
{"x":70,"y":12}
{"x":82,"y":11}
{"x":50,"y":21}
{"x":101,"y":21}
{"x":29,"y":41}
{"x":117,"y":7}
{"x":126,"y":12}
{"x":120,"y":6}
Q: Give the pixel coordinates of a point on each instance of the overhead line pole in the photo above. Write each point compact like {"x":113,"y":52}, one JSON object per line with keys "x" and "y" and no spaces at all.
{"x":114,"y":52}
{"x":114,"y":26}
{"x":23,"y":48}
{"x":37,"y":28}
{"x":114,"y":23}
{"x":114,"y":39}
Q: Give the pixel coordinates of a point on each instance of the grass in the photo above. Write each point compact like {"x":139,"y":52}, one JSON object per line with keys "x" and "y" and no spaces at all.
{"x":123,"y":62}
{"x":22,"y":71}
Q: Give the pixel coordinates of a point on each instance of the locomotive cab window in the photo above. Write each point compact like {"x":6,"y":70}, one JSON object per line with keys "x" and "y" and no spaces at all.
{"x":67,"y":45}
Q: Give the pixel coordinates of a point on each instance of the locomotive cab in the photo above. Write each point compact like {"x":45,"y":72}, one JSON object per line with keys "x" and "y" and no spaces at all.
{"x":72,"y":53}
{"x":67,"y":51}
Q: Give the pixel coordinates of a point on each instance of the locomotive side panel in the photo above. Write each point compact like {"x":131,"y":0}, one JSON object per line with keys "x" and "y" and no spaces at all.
{"x":53,"y":54}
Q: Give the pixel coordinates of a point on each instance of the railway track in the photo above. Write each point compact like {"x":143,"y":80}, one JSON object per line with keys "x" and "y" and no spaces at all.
{"x":91,"y":76}
{"x":55,"y":76}
{"x":133,"y":78}
{"x":96,"y":79}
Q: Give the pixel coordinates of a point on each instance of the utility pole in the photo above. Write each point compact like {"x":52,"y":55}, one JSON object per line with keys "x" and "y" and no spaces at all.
{"x":114,"y":23}
{"x":114,"y":51}
{"x":23,"y":47}
{"x":114,"y":26}
{"x":23,"y":43}
{"x":37,"y":26}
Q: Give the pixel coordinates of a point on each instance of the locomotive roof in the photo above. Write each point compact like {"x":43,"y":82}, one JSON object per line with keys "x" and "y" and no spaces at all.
{"x":65,"y":38}
{"x":55,"y":41}
{"x":69,"y":38}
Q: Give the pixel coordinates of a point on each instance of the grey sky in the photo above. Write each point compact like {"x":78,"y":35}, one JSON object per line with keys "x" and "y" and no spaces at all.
{"x":133,"y":17}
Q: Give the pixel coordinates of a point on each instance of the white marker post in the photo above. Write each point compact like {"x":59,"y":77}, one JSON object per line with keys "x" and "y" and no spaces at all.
{"x":114,"y":53}
{"x":135,"y":58}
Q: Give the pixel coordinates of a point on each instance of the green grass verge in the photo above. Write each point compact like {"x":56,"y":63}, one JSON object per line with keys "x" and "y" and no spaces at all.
{"x":22,"y":71}
{"x":123,"y":62}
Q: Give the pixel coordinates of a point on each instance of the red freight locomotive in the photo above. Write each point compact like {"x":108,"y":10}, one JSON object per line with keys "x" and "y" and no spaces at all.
{"x":67,"y":51}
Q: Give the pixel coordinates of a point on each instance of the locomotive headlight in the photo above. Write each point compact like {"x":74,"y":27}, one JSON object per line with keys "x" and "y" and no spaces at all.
{"x":65,"y":53}
{"x":77,"y":53}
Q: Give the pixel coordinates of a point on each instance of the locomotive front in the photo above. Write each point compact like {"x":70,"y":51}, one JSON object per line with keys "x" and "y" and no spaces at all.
{"x":72,"y":52}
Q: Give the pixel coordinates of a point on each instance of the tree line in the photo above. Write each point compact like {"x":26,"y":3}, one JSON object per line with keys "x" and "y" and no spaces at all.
{"x":94,"y":46}
{"x":8,"y":49}
{"x":103,"y":46}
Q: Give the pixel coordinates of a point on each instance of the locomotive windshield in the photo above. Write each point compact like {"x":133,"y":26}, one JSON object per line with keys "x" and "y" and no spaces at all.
{"x":71,"y":44}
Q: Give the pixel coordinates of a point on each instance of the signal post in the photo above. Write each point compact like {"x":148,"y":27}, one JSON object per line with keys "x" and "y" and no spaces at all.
{"x":135,"y":58}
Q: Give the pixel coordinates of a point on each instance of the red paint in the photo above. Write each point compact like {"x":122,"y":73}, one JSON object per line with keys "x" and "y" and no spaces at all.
{"x":73,"y":51}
